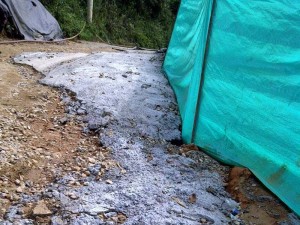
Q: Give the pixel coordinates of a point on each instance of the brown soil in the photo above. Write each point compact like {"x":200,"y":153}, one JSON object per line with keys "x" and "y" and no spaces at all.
{"x":39,"y":142}
{"x":259,"y":206}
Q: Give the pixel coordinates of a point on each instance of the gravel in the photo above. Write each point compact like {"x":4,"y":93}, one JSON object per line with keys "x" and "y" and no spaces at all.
{"x":136,"y":117}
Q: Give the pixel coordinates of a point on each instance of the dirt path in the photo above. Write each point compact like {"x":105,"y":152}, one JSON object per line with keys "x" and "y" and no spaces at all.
{"x":37,"y":139}
{"x":43,"y":152}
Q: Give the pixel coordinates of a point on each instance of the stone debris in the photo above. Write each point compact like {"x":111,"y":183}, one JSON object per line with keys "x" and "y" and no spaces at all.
{"x":109,"y":182}
{"x":108,"y":151}
{"x":72,"y":196}
{"x":41,"y":209}
{"x":192,"y":198}
{"x":39,"y":142}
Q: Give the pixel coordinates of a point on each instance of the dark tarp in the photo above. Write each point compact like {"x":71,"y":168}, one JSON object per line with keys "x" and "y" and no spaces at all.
{"x":32,"y":20}
{"x":3,"y":15}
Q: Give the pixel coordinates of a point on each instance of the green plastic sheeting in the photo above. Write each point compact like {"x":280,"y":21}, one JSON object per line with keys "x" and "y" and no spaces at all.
{"x":235,"y":68}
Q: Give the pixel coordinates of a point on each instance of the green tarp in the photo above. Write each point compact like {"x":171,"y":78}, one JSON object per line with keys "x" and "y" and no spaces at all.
{"x":235,"y":68}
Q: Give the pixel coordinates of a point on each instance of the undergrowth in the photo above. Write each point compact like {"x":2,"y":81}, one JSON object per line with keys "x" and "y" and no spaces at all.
{"x":144,"y":23}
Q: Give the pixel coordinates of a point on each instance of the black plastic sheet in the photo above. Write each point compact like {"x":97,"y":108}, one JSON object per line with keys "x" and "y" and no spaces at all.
{"x":32,"y":20}
{"x":3,"y":15}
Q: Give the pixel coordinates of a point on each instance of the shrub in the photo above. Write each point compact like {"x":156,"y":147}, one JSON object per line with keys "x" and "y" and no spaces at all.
{"x":145,"y":23}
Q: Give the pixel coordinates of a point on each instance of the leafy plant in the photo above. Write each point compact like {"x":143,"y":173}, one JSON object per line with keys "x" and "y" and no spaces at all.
{"x":145,"y":23}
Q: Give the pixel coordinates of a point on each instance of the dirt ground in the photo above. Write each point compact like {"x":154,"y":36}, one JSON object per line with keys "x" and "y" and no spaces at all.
{"x":38,"y":138}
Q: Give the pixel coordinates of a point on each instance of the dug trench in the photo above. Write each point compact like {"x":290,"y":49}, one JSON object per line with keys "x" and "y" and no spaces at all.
{"x":58,"y":167}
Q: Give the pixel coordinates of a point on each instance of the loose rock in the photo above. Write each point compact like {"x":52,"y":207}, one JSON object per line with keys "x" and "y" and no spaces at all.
{"x":41,"y":209}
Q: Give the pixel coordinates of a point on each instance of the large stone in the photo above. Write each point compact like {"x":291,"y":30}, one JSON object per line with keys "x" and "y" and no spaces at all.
{"x":41,"y":209}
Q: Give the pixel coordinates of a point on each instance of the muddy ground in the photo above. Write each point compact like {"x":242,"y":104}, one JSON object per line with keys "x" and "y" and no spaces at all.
{"x":48,"y":146}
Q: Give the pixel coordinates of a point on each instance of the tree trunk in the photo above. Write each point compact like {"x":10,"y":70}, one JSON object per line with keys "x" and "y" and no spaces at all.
{"x":90,"y":11}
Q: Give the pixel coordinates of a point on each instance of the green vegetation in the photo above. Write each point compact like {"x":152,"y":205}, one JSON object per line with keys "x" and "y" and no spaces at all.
{"x":145,"y":23}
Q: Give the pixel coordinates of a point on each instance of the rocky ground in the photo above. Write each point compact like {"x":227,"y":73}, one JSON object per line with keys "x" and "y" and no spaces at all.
{"x":82,"y":153}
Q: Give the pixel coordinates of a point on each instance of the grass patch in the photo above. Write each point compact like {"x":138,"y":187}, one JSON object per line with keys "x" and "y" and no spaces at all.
{"x":125,"y":22}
